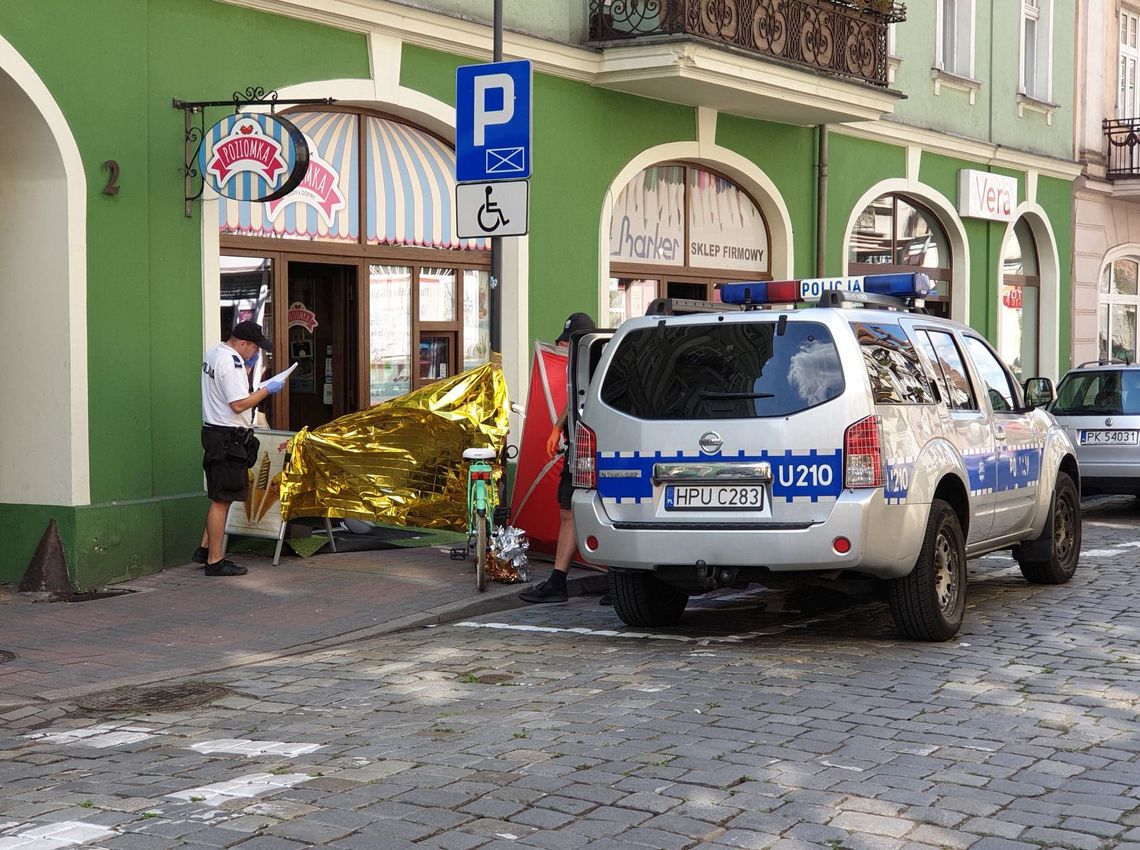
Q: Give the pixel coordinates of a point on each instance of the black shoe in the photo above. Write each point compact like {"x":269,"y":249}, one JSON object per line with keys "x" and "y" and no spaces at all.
{"x":225,"y":568}
{"x":606,"y":599}
{"x":545,"y":592}
{"x":201,"y":556}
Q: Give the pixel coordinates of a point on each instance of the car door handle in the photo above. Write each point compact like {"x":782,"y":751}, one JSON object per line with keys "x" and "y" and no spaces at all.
{"x":999,"y":432}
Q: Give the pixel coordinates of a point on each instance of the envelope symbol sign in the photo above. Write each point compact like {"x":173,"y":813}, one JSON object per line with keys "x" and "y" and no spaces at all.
{"x":506,"y":160}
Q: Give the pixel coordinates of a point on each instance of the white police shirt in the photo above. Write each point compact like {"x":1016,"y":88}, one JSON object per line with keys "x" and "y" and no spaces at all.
{"x":224,"y":379}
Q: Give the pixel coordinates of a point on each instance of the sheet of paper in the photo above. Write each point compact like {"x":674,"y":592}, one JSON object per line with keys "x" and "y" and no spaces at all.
{"x":282,"y":375}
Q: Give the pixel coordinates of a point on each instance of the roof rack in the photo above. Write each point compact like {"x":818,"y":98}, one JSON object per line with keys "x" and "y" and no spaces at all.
{"x":1106,"y":362}
{"x":686,"y":306}
{"x":843,"y":298}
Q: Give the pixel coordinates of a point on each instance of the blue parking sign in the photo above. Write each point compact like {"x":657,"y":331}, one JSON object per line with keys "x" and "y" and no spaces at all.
{"x":492,"y":121}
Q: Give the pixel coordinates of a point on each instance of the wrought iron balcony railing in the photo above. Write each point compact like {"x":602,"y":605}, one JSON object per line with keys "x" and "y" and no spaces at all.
{"x":1123,"y":135}
{"x":844,"y":37}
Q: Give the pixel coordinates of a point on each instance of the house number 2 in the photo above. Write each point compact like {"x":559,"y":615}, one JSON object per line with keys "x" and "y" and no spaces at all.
{"x":112,"y":187}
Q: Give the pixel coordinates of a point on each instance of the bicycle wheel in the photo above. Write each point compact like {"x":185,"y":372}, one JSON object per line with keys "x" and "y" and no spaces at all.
{"x":482,"y":550}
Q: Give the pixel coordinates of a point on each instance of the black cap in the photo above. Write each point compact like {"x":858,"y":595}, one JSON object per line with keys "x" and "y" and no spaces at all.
{"x":251,"y":332}
{"x":575,"y":322}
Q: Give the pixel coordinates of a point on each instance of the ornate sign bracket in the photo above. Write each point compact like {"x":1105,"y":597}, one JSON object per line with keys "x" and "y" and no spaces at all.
{"x":194,"y":112}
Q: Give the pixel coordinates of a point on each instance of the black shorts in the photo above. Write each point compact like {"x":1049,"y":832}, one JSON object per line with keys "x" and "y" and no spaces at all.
{"x":226,"y":465}
{"x":565,"y":485}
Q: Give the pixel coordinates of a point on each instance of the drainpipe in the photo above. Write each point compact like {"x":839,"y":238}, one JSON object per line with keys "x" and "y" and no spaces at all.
{"x":821,"y":205}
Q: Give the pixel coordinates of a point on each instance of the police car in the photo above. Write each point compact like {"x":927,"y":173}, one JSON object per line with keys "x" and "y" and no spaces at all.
{"x":721,"y":444}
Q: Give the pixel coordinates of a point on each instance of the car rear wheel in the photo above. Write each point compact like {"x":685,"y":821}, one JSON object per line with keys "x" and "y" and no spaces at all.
{"x":930,"y":602}
{"x":641,"y":599}
{"x":1052,"y":557}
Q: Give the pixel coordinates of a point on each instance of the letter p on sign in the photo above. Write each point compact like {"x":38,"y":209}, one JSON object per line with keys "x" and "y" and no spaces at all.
{"x":484,"y":116}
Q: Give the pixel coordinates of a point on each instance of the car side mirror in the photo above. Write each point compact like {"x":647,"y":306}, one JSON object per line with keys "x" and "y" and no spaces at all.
{"x":1039,"y":392}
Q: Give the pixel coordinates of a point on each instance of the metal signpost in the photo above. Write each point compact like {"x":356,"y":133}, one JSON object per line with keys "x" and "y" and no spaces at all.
{"x":492,"y":157}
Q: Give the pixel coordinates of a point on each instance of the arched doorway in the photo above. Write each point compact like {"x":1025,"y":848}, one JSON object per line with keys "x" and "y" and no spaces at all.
{"x":43,"y":296}
{"x":898,"y":233}
{"x":357,"y":274}
{"x":1019,"y":311}
{"x":678,"y":229}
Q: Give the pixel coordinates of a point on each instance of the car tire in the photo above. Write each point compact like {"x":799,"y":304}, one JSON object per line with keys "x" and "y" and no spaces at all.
{"x":641,"y":599}
{"x":1060,"y":540}
{"x":930,"y":602}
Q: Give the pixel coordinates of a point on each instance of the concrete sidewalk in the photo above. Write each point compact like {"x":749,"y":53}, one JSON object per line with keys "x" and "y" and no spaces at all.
{"x":181,"y":623}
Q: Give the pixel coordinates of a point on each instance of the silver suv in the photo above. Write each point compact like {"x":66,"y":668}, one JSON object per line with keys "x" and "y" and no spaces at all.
{"x":1099,"y":405}
{"x":859,"y":437}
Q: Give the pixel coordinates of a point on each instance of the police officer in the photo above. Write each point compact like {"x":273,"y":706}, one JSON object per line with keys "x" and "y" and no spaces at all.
{"x":228,"y":408}
{"x":554,"y":588}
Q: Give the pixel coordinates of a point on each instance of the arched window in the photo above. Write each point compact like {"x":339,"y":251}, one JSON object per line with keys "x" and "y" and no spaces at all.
{"x":1116,"y":310}
{"x":1019,"y":313}
{"x":677,"y":230}
{"x":895,"y":233}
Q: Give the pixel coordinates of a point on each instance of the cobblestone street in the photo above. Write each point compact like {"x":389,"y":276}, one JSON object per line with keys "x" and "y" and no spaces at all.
{"x":769,"y":719}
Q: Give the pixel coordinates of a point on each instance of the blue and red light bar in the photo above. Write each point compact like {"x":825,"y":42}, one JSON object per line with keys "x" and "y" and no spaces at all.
{"x":906,"y":285}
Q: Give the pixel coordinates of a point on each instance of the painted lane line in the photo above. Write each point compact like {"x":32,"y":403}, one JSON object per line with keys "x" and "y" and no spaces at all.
{"x":253,"y":785}
{"x":611,"y":633}
{"x":244,"y":747}
{"x":100,"y":737}
{"x":56,"y":835}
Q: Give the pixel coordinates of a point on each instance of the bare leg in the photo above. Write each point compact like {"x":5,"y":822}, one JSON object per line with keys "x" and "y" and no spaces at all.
{"x":216,"y":530}
{"x":567,"y":544}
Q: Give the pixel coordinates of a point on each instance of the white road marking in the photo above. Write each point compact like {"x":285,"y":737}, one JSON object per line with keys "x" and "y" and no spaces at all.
{"x":66,"y":833}
{"x":244,"y":747}
{"x":246,"y":786}
{"x":99,"y":736}
{"x":611,"y":633}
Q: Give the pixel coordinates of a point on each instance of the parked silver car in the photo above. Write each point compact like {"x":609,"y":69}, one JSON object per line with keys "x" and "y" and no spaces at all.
{"x":858,"y":437}
{"x":1098,"y":404}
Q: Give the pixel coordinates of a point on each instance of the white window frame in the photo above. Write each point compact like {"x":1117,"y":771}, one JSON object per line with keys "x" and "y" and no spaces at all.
{"x":1041,"y":50}
{"x":1110,"y":299}
{"x":955,"y":22}
{"x":1128,"y":65}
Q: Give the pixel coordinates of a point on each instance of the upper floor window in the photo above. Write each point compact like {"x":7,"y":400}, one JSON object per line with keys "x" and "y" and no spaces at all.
{"x":1036,"y":48}
{"x":955,"y":49}
{"x":1128,"y":98}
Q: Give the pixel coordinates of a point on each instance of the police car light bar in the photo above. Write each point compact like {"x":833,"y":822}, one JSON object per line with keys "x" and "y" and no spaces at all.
{"x":907,"y":285}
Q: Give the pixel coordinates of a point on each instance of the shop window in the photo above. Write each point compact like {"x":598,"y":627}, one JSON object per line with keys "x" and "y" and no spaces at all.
{"x":678,"y":230}
{"x":389,"y":340}
{"x":1018,"y":314}
{"x":1117,"y":310}
{"x":371,"y":230}
{"x":895,"y":233}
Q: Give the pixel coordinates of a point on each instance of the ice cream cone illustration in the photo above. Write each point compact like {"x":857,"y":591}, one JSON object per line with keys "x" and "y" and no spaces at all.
{"x":257,"y":491}
{"x":249,"y":496}
{"x":269,"y":499}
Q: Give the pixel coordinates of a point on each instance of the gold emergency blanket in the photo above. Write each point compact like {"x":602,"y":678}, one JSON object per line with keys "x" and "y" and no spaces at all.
{"x":400,"y":461}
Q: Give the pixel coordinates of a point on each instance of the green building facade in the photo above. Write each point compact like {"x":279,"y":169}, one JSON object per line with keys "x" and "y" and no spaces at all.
{"x":662,"y":164}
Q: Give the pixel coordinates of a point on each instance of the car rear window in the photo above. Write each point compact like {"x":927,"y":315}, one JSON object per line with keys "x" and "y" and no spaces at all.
{"x":1098,"y":392}
{"x":727,"y":370}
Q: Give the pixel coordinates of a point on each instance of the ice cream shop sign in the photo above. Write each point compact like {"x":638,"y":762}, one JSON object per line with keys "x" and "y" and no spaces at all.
{"x":253,"y":157}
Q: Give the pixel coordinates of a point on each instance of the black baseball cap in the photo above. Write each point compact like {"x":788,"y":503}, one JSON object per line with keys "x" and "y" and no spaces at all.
{"x":252,"y":332}
{"x":575,"y":322}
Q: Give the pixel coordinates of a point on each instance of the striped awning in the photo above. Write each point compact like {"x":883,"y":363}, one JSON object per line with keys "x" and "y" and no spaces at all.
{"x":411,"y":188}
{"x":409,"y":183}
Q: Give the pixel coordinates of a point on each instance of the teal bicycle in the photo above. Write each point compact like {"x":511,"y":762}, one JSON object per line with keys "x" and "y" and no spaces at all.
{"x":482,"y":500}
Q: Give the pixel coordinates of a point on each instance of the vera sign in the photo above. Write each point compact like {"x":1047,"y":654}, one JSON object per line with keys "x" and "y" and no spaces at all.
{"x":253,"y":157}
{"x":985,"y":195}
